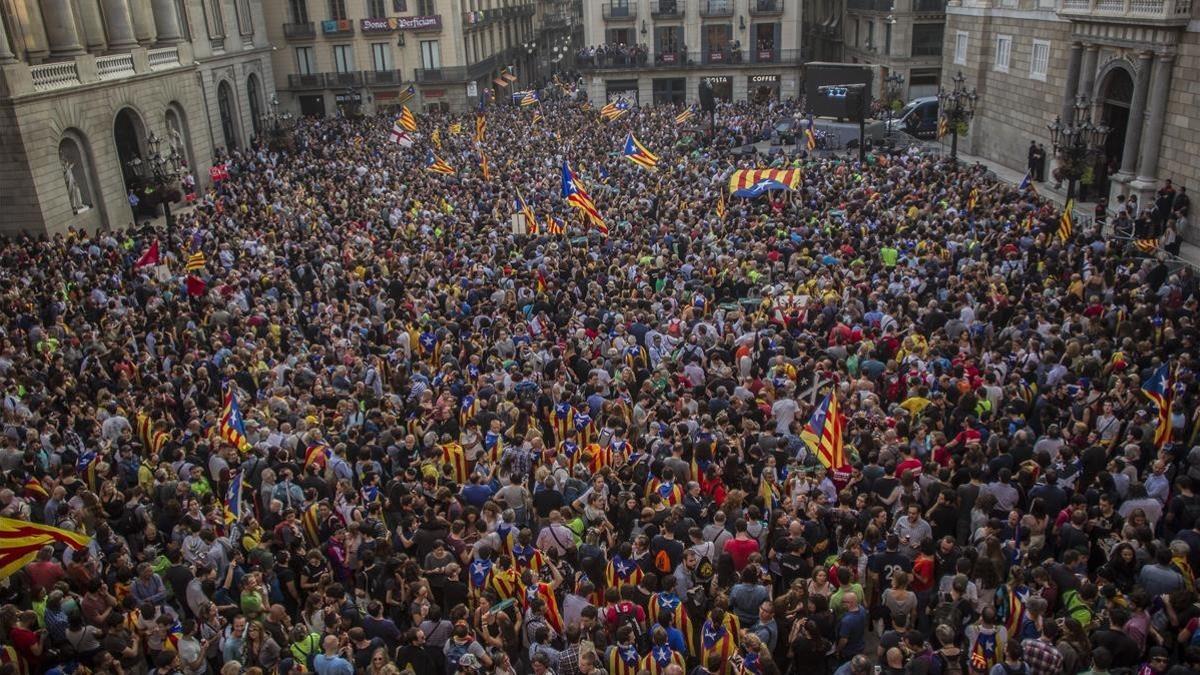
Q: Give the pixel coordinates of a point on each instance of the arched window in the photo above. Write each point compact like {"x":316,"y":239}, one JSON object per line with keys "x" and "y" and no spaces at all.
{"x":255,"y":103}
{"x":228,"y":114}
{"x":76,"y":171}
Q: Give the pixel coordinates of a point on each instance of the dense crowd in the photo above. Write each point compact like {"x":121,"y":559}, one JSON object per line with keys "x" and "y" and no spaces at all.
{"x":471,"y":451}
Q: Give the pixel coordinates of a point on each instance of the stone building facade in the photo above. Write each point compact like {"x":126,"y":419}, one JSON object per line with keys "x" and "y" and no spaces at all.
{"x":903,"y":37}
{"x":361,"y":56}
{"x":745,"y":49}
{"x":84,"y":85}
{"x":1135,"y":63}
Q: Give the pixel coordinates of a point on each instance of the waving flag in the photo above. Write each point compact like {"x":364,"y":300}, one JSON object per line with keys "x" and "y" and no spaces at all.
{"x":407,"y":94}
{"x":722,"y":208}
{"x":233,"y":500}
{"x":436,"y":138}
{"x":943,"y":126}
{"x":400,"y":137}
{"x":760,"y":188}
{"x":637,"y":153}
{"x":537,"y":116}
{"x":554,"y":225}
{"x":614,"y":110}
{"x":86,"y":465}
{"x":231,"y":426}
{"x":150,"y":257}
{"x":685,"y":116}
{"x":455,"y":128}
{"x":823,"y":433}
{"x":1027,"y":183}
{"x":407,"y":121}
{"x":21,"y":540}
{"x":576,"y":196}
{"x":788,"y":179}
{"x":530,"y":98}
{"x":810,"y":135}
{"x":480,"y":124}
{"x":1161,"y":392}
{"x":195,"y":261}
{"x":1066,"y":223}
{"x":437,"y":165}
{"x":972,"y":199}
{"x":522,"y":208}
{"x":1149,"y":245}
{"x":484,"y":169}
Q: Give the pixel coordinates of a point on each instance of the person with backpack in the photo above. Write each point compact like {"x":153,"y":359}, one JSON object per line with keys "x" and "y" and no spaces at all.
{"x":463,"y":643}
{"x":1012,"y":663}
{"x":622,"y":611}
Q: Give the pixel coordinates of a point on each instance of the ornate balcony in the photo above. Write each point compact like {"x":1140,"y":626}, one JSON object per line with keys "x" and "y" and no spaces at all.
{"x":1150,"y":12}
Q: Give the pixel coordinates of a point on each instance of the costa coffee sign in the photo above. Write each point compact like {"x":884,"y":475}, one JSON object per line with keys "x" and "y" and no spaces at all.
{"x":396,"y":23}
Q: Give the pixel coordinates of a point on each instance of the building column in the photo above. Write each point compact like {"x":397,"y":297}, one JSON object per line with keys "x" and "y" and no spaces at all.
{"x":6,"y":53}
{"x":1137,"y":114}
{"x":120,"y":25}
{"x":1152,"y":139}
{"x":1072,"y":83}
{"x":166,"y":21}
{"x":1087,"y":74}
{"x":93,"y":26}
{"x":143,"y":22}
{"x":59,"y":17}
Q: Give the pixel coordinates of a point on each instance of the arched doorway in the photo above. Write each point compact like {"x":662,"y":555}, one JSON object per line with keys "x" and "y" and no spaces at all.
{"x":1116,"y":94}
{"x":130,"y":136}
{"x":228,"y":115}
{"x":255,"y":104}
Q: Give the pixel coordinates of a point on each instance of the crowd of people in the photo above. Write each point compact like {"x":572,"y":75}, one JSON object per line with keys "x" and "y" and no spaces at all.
{"x":470,"y":451}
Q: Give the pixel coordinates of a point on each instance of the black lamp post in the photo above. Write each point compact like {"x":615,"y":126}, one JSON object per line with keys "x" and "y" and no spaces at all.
{"x":277,"y":123}
{"x":158,"y":174}
{"x":893,"y":84}
{"x":957,"y":106}
{"x":1077,"y":142}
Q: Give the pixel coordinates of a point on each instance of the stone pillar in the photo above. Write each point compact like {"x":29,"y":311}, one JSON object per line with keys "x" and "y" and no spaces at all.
{"x":6,"y":53}
{"x":1072,"y":83}
{"x":120,"y":25}
{"x":166,"y":21}
{"x":1137,"y":114}
{"x":1152,"y":138}
{"x":93,"y":26}
{"x":143,"y":22}
{"x":59,"y":17}
{"x":1087,"y":74}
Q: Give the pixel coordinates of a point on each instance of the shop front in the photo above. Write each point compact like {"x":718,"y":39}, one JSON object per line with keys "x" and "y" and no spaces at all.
{"x":762,"y":88}
{"x":670,"y":90}
{"x":722,"y":87}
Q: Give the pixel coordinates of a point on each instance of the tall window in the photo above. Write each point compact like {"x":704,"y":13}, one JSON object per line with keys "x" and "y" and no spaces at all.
{"x":337,"y":10}
{"x":343,"y":58}
{"x":299,"y":11}
{"x":927,"y":39}
{"x":381,"y":55}
{"x":887,"y":37}
{"x":185,"y":26}
{"x":960,"y":47}
{"x":1003,"y":52}
{"x":431,"y":54}
{"x":375,"y":9}
{"x":244,"y":18}
{"x":426,"y":7}
{"x":306,"y":63}
{"x":1040,"y":61}
{"x":214,"y":18}
{"x":870,"y":33}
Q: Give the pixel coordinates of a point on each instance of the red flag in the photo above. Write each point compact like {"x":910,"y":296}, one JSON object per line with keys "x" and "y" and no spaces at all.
{"x":150,"y":257}
{"x":196,"y":286}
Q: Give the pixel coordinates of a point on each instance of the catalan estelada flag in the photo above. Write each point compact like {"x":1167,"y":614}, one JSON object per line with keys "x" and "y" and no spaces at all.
{"x":231,"y":426}
{"x":1066,"y":223}
{"x":722,"y":209}
{"x":407,"y":94}
{"x":455,"y":128}
{"x":436,"y":138}
{"x":407,"y":120}
{"x":621,"y":572}
{"x":637,"y":153}
{"x":522,"y":208}
{"x":537,"y":116}
{"x":21,"y":540}
{"x":34,"y":489}
{"x":614,"y":110}
{"x":1027,"y":184}
{"x":1161,"y":392}
{"x":233,"y":500}
{"x":311,"y":523}
{"x":480,"y":126}
{"x":745,"y":178}
{"x":554,"y":225}
{"x":576,"y":196}
{"x":437,"y":165}
{"x":454,"y":455}
{"x":530,"y":98}
{"x":195,"y":261}
{"x":823,"y":433}
{"x":483,"y":167}
{"x":685,"y":116}
{"x":1146,"y":245}
{"x":810,"y":135}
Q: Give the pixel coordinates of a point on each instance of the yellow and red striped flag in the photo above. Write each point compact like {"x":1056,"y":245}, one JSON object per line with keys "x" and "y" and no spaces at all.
{"x":21,"y":540}
{"x":407,"y":120}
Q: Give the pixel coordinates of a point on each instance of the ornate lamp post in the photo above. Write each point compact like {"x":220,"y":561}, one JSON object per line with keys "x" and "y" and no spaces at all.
{"x":158,"y":173}
{"x":1076,"y":143}
{"x":277,"y":123}
{"x":893,"y":85}
{"x":958,"y":107}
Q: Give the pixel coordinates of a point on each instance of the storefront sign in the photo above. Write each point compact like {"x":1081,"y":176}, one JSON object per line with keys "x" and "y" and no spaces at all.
{"x":764,"y":79}
{"x":396,"y":23}
{"x":433,"y":93}
{"x":718,"y":79}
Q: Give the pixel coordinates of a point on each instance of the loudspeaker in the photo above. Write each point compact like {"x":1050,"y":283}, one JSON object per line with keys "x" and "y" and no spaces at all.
{"x":707,"y":102}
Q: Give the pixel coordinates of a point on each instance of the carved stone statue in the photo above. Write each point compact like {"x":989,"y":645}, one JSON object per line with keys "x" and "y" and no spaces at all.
{"x":73,"y":192}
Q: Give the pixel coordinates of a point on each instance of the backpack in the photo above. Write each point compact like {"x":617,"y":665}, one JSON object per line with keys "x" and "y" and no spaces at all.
{"x":454,"y":652}
{"x":640,"y":637}
{"x":949,"y":666}
{"x":662,"y":562}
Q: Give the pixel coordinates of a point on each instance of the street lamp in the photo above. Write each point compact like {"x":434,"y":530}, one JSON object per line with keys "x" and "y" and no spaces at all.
{"x":276,"y":122}
{"x":893,"y":84}
{"x":957,"y":106}
{"x":158,"y":173}
{"x":1076,"y":142}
